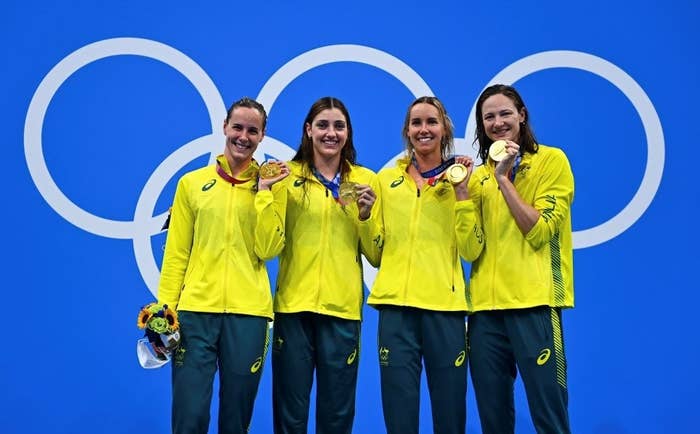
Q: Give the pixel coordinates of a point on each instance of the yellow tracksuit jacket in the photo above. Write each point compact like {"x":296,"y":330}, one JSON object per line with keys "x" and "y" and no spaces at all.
{"x":420,"y":262}
{"x":213,"y":262}
{"x":319,"y":242}
{"x":511,"y":270}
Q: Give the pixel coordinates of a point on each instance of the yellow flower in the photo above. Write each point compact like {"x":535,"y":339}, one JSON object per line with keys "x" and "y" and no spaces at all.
{"x":171,"y":317}
{"x":144,"y":316}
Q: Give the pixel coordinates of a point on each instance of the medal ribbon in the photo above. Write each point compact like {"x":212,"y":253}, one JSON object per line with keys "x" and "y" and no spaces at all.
{"x":432,"y":174}
{"x":514,"y":170}
{"x":333,"y":185}
{"x":228,"y":178}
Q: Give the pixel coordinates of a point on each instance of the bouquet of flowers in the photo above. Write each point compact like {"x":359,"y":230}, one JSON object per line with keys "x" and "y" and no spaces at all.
{"x":162,"y":329}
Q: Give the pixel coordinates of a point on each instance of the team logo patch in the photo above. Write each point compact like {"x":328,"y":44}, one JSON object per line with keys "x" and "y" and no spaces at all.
{"x":442,"y":190}
{"x":299,"y":182}
{"x":384,"y":356}
{"x":523,"y":170}
{"x":179,"y":357}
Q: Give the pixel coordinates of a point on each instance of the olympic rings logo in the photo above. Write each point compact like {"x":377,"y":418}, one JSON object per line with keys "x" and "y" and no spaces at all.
{"x":145,"y":225}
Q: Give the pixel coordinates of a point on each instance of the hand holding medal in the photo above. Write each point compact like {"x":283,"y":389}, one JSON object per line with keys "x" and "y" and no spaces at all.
{"x":347,"y":193}
{"x":270,"y":172}
{"x":497,"y":150}
{"x":504,"y":153}
{"x":270,"y":169}
{"x":456,"y":173}
{"x":460,"y":171}
{"x":362,"y":194}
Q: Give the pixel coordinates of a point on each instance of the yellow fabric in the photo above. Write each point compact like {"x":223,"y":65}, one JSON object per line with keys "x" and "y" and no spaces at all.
{"x":420,"y":264}
{"x":213,"y":262}
{"x":319,"y":242}
{"x":510,"y":270}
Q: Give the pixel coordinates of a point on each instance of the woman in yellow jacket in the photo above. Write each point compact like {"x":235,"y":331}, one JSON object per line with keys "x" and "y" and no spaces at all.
{"x":324,"y":220}
{"x":214,"y":275}
{"x":522,"y":271}
{"x":420,"y":287}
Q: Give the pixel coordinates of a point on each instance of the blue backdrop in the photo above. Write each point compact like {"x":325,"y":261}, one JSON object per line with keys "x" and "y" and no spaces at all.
{"x":106,"y":104}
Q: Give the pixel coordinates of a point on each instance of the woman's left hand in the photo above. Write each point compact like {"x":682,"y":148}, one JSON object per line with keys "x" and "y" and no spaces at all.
{"x":365,"y":200}
{"x":504,"y":166}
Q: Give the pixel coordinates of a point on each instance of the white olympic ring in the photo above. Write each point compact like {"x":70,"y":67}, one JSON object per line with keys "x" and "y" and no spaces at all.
{"x":145,"y":225}
{"x":333,"y":54}
{"x":641,"y":102}
{"x":58,"y":75}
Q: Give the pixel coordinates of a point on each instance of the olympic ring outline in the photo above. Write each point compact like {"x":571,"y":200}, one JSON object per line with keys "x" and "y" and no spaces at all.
{"x":141,"y":233}
{"x":653,"y":172}
{"x":57,"y":76}
{"x":343,"y":53}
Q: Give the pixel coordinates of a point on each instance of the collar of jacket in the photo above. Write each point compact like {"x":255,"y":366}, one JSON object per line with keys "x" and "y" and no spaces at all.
{"x":249,"y":174}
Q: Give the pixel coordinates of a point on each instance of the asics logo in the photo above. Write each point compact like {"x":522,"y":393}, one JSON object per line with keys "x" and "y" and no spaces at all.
{"x":255,"y":367}
{"x":544,"y":356}
{"x":352,"y":356}
{"x":460,"y":358}
{"x":208,"y":185}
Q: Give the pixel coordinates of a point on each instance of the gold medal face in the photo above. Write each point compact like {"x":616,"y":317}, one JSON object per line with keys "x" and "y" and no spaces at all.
{"x":456,"y":173}
{"x":497,"y":151}
{"x":347,"y":193}
{"x":270,"y":170}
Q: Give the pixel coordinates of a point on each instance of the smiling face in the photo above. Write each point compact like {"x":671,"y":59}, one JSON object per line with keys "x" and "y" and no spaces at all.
{"x":244,"y":131}
{"x":328,"y":132}
{"x":501,"y":118}
{"x":425,"y":129}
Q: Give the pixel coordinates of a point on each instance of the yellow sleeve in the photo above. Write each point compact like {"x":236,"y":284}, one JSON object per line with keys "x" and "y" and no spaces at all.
{"x":469,"y":228}
{"x":178,"y":246}
{"x":271,"y":209}
{"x":553,"y":200}
{"x":372,"y":230}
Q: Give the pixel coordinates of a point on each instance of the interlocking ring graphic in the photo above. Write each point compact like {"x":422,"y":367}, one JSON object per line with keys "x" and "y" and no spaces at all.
{"x":145,"y":225}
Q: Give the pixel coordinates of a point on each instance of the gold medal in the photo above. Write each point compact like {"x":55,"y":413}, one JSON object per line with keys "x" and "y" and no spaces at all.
{"x":456,"y":173}
{"x":269,"y":170}
{"x":347,"y":193}
{"x":497,"y":151}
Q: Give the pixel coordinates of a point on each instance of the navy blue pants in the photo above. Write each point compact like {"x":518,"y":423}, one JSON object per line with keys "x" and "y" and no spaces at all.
{"x":236,"y":345}
{"x":407,"y":335}
{"x":303,"y":343}
{"x":530,"y":341}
